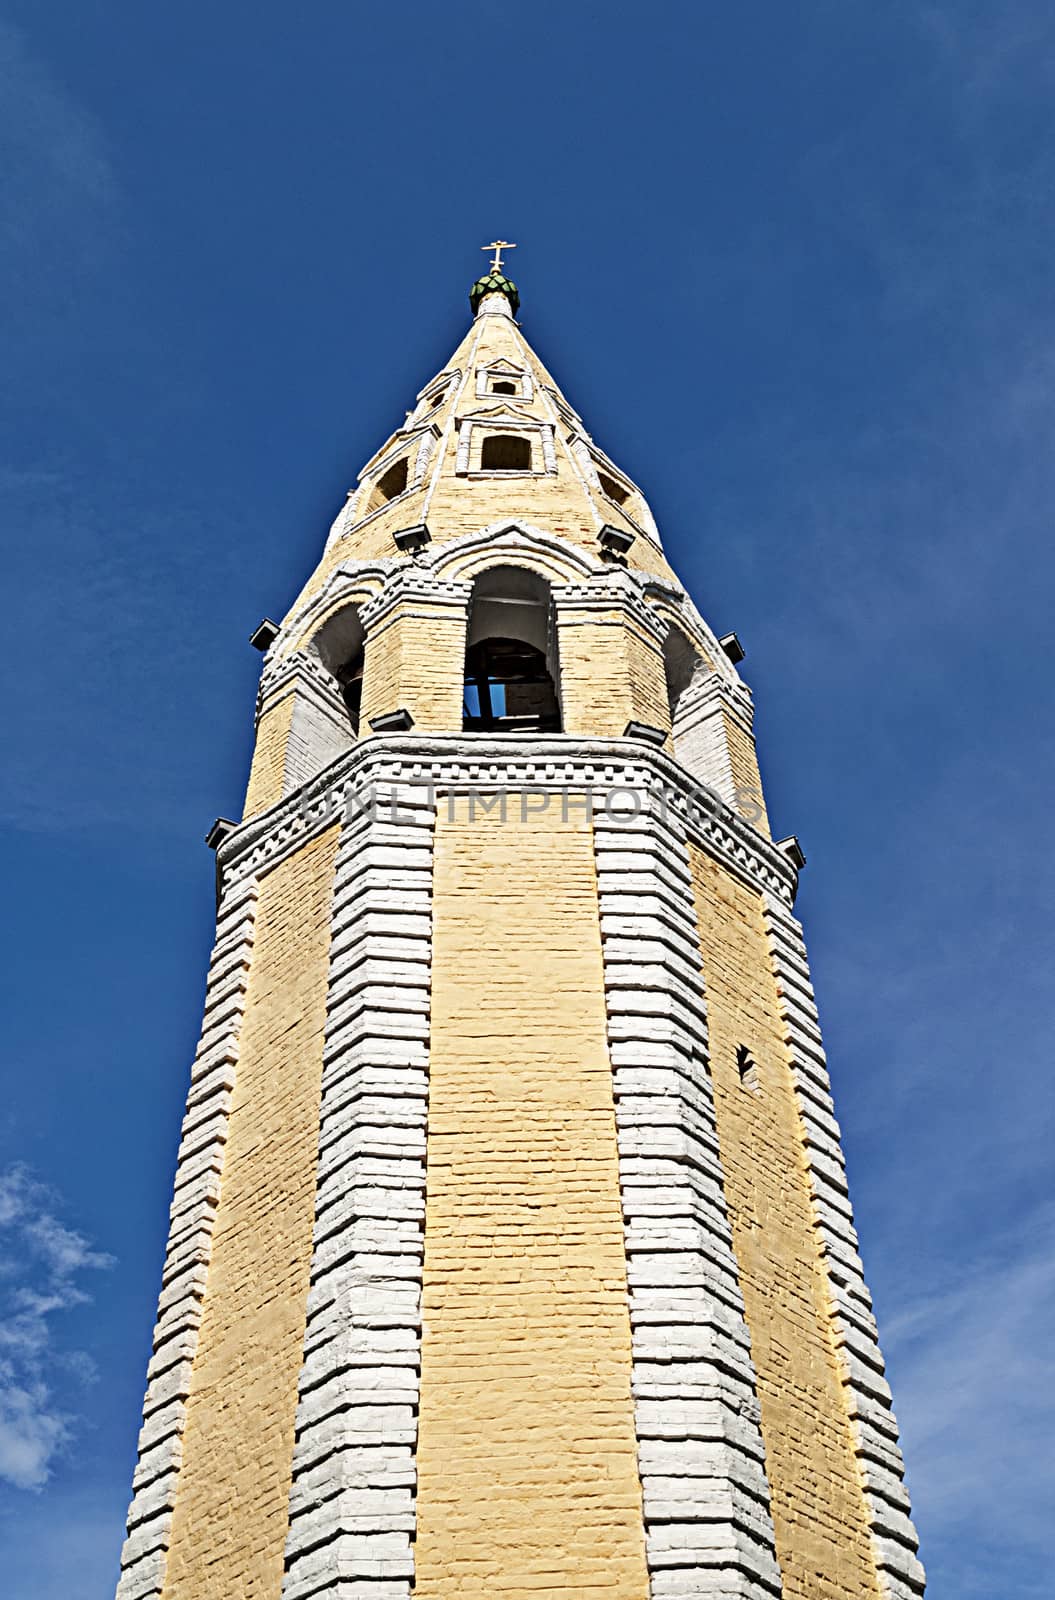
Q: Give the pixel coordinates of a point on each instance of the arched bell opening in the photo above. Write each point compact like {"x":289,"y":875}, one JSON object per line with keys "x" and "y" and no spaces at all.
{"x":339,"y":646}
{"x":511,"y":668}
{"x":682,"y":662}
{"x":687,"y":672}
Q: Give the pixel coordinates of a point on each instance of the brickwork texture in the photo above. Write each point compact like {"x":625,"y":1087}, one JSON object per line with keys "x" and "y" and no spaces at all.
{"x":818,"y":1508}
{"x":231,"y":1512}
{"x":527,"y":1474}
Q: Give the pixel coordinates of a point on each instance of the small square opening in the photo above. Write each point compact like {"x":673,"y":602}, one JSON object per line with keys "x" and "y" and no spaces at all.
{"x":506,"y":452}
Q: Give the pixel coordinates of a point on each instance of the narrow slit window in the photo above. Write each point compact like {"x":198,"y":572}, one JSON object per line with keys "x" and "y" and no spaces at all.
{"x":747,"y":1067}
{"x":506,"y":452}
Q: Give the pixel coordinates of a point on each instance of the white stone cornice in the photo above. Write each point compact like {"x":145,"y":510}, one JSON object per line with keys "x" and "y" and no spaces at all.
{"x":444,"y":379}
{"x":504,"y":368}
{"x":672,"y":598}
{"x":555,"y":763}
{"x":614,"y":587}
{"x":495,"y":304}
{"x":410,"y":584}
{"x":709,"y":687}
{"x":302,"y":667}
{"x":400,"y":444}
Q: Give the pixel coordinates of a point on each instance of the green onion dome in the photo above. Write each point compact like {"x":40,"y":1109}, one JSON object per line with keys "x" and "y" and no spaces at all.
{"x":494,"y":283}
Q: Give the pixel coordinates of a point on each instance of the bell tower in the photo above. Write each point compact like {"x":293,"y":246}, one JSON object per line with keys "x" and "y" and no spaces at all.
{"x":511,"y":1252}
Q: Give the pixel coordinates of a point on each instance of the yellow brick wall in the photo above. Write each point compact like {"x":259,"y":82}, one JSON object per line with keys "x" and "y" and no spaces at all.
{"x":415,"y":658}
{"x":594,"y":692}
{"x":527,"y":1470}
{"x":609,"y":675}
{"x":269,"y":757}
{"x":744,"y":766}
{"x":648,"y":679}
{"x":434,"y":670}
{"x":382,"y":673}
{"x":230,"y":1520}
{"x":818,"y":1505}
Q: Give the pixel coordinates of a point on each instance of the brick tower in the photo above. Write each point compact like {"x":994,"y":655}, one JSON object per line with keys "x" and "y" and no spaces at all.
{"x":511,"y":1252}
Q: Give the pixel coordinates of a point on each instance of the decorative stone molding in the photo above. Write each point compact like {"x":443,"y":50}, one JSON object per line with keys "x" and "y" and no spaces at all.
{"x":319,"y":729}
{"x":503,"y":369}
{"x":874,"y":1426}
{"x":560,"y":561}
{"x":592,"y":461}
{"x":344,"y":521}
{"x":416,"y":443}
{"x":677,"y":606}
{"x":405,"y":765}
{"x":503,"y":420}
{"x":352,"y":1497}
{"x":495,"y":305}
{"x":280,"y":671}
{"x":611,"y":588}
{"x":439,"y":387}
{"x":197,"y":1193}
{"x":408,"y":587}
{"x":706,"y":1499}
{"x":579,"y":446}
{"x":351,"y":584}
{"x":516,"y":544}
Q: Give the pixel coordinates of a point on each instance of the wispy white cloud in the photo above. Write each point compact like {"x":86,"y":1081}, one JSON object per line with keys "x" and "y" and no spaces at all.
{"x":41,"y":1261}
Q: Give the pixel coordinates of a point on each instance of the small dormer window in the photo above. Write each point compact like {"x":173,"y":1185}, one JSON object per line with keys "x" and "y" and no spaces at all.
{"x":489,"y":443}
{"x":614,"y":490}
{"x":503,"y":378}
{"x":389,"y":486}
{"x":506,"y":452}
{"x":393,"y":482}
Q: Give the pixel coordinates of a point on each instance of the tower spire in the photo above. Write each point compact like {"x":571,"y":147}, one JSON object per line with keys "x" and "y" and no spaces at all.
{"x":511,"y":1248}
{"x":494,"y":291}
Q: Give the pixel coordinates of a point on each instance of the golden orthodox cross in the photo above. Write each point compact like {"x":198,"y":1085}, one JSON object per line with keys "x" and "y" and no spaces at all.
{"x":498,"y":245}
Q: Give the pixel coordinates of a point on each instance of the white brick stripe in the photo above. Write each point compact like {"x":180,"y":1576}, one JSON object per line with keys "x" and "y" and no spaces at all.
{"x":709,"y":1533}
{"x":874,"y":1426}
{"x":193,"y":1212}
{"x":352,"y":1497}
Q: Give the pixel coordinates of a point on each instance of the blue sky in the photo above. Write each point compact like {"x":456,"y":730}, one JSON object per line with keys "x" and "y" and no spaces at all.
{"x":793,"y":264}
